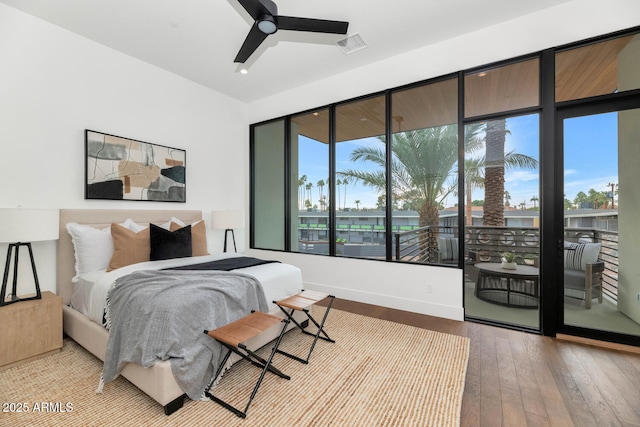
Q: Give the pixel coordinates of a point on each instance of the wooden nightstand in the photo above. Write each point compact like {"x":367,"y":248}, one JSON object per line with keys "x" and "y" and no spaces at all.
{"x":30,"y":329}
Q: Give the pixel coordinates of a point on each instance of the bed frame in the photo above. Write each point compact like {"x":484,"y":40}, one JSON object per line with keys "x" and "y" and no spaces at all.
{"x":156,"y":381}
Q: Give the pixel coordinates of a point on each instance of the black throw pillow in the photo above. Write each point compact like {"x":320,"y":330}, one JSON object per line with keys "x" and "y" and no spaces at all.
{"x":167,"y":244}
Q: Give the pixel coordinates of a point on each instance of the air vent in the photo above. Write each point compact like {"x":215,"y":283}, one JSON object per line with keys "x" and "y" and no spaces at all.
{"x":351,"y":44}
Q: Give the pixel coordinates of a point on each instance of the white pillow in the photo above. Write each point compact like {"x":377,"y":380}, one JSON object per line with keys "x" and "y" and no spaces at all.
{"x":167,"y":225}
{"x":93,"y":248}
{"x":578,"y":255}
{"x":132,"y":225}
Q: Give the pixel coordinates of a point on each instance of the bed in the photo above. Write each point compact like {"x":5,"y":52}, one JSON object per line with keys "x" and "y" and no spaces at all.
{"x":79,"y":316}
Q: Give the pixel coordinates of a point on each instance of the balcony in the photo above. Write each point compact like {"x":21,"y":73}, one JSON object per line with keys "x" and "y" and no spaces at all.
{"x":423,"y":245}
{"x":485,"y":244}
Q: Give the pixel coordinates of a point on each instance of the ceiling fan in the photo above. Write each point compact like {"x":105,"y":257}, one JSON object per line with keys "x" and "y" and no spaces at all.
{"x":267,"y":21}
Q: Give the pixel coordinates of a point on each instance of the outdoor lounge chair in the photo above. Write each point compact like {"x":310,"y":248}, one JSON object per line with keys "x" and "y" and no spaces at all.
{"x":447,"y":250}
{"x":583,"y":272}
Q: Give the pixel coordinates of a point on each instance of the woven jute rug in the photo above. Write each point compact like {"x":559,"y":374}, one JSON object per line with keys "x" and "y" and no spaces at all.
{"x":378,"y":373}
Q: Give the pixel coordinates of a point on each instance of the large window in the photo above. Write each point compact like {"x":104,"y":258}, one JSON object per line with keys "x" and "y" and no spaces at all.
{"x":329,"y":181}
{"x":501,"y":192}
{"x":360,"y":182}
{"x":465,"y":171}
{"x":424,"y":170}
{"x":310,"y":198}
{"x":268,"y":193}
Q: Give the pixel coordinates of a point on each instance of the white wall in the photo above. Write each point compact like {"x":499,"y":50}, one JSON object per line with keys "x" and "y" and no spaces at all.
{"x":405,"y":286}
{"x":435,"y":291}
{"x":55,"y":84}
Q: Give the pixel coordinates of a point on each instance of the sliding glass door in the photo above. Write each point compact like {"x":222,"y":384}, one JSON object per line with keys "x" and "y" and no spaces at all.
{"x":601,"y":286}
{"x":501,"y":168}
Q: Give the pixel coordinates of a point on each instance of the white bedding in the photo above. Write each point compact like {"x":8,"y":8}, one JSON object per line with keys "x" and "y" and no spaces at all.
{"x":90,"y":291}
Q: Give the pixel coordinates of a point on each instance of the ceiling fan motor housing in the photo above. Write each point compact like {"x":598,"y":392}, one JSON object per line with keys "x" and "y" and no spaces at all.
{"x":267,"y":24}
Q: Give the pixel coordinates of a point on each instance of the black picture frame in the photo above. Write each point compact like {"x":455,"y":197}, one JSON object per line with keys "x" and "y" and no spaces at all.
{"x":119,"y":168}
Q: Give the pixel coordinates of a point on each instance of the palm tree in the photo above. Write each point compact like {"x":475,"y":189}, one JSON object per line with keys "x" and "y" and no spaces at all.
{"x":357,"y":202}
{"x":507,"y":197}
{"x":301,"y":182}
{"x":493,"y":212}
{"x":534,"y":199}
{"x":474,"y":168}
{"x":323,"y":203}
{"x":320,"y":185}
{"x":345,"y":182}
{"x":309,"y":186}
{"x":496,"y":162}
{"x":421,"y":164}
{"x":580,"y":198}
{"x":338,"y":183}
{"x":598,"y":198}
{"x":474,"y":176}
{"x":568,"y":204}
{"x":473,"y":180}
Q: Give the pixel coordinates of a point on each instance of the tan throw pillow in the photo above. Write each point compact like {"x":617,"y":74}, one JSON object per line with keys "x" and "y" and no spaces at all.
{"x":198,"y":237}
{"x":129,"y":247}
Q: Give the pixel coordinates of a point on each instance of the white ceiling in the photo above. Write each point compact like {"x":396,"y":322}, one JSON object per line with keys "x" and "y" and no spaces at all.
{"x":199,"y":39}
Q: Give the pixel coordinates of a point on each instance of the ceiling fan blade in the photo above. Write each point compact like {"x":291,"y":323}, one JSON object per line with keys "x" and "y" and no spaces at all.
{"x":312,"y":25}
{"x":258,"y":8}
{"x":251,"y":43}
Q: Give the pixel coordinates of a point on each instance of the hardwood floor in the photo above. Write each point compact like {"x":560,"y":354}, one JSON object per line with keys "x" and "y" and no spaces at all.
{"x":522,"y":379}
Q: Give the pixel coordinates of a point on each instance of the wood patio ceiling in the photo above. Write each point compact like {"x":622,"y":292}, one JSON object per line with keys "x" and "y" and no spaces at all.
{"x":587,"y":71}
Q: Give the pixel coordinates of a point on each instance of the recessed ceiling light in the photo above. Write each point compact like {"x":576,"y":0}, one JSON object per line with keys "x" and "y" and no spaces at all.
{"x":315,"y":113}
{"x":173,"y":24}
{"x":244,"y":71}
{"x":482,"y":74}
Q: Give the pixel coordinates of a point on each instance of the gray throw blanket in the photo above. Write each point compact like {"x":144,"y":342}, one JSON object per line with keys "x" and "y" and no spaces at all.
{"x":160,"y":315}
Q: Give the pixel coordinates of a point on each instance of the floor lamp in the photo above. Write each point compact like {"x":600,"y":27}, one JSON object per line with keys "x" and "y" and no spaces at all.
{"x":18,"y":228}
{"x":227,"y":221}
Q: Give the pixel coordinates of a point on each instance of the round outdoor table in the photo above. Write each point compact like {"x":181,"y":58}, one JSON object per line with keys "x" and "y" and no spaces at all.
{"x":513,"y":288}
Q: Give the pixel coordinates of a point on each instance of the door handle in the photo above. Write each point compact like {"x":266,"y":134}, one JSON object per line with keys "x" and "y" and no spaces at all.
{"x":560,"y":252}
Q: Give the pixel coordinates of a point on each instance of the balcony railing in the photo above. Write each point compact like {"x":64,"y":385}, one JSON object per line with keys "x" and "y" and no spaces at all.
{"x":421,"y":244}
{"x":486,"y":244}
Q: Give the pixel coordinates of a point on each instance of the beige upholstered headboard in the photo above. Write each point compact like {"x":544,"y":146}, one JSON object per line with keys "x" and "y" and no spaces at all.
{"x":101,"y":218}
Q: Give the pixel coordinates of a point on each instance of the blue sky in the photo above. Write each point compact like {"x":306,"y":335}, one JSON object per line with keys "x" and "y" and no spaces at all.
{"x":591,"y":153}
{"x":591,"y":160}
{"x":314,"y":161}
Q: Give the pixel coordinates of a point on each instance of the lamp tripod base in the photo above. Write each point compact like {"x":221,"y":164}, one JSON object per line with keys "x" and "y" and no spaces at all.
{"x":233,"y":236}
{"x":14,"y":290}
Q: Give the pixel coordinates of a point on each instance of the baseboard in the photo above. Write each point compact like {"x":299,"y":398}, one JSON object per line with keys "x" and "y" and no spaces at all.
{"x":598,"y":343}
{"x":421,"y":307}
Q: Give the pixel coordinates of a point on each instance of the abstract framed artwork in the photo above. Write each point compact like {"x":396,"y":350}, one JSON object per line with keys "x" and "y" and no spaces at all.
{"x":118,"y":168}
